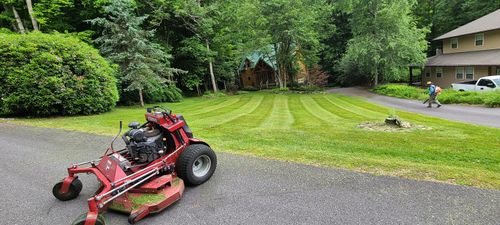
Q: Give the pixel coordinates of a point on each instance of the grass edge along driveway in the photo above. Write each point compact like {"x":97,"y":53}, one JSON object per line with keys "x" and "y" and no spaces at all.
{"x":321,"y":129}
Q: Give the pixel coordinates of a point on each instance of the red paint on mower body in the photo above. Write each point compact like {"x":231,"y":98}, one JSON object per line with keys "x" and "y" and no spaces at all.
{"x":139,"y":188}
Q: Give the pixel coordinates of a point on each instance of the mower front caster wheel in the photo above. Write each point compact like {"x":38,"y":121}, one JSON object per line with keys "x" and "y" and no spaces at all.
{"x":196,"y":164}
{"x":81,"y":220}
{"x":74,"y":190}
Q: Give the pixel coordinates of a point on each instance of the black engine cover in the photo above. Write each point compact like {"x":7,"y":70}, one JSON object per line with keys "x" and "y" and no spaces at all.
{"x":144,"y":149}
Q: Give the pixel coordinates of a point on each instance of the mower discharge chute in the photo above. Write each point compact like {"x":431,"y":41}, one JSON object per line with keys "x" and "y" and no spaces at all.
{"x":148,"y":175}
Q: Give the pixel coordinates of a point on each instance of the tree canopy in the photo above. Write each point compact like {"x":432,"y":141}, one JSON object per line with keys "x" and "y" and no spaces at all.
{"x":354,"y":41}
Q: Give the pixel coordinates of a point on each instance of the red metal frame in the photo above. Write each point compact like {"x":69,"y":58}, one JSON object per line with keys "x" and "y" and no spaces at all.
{"x":113,"y":180}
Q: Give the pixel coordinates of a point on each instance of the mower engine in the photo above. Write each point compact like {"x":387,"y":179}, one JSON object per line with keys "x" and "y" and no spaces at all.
{"x":145,"y":144}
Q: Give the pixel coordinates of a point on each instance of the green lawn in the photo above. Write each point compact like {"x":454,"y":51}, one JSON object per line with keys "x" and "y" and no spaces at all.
{"x":321,"y":129}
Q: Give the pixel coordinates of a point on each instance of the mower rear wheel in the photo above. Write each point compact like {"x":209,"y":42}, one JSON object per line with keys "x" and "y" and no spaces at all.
{"x":81,"y":220}
{"x":74,"y":190}
{"x":196,"y":164}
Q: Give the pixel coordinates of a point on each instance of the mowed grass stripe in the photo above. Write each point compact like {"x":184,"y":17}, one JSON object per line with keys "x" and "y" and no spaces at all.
{"x":317,"y":111}
{"x":217,"y":113}
{"x":280,"y":117}
{"x":337,"y":110}
{"x":252,"y":120}
{"x":227,"y":117}
{"x":190,"y":105}
{"x":226,"y":103}
{"x":355,"y":108}
{"x":303,"y":120}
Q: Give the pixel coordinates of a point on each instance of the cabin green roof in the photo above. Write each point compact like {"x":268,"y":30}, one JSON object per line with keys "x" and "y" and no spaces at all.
{"x":256,"y":56}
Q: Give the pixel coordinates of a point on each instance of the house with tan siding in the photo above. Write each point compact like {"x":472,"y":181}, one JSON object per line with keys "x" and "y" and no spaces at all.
{"x":469,"y":52}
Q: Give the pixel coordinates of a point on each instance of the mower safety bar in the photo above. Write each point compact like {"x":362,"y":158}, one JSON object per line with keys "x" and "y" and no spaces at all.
{"x":118,"y":189}
{"x":128,"y":189}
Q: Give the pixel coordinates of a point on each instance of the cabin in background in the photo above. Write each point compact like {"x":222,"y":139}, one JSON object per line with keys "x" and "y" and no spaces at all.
{"x":259,"y":70}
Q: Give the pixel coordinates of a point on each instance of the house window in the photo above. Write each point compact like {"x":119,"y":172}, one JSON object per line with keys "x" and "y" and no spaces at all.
{"x":469,"y":72}
{"x":479,"y":39}
{"x":454,"y":43}
{"x":439,"y":72}
{"x":498,"y":70}
{"x":428,"y":72}
{"x":459,"y":73}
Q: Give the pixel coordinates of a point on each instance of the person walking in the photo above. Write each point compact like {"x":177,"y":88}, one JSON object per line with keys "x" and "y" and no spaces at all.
{"x":433,"y":93}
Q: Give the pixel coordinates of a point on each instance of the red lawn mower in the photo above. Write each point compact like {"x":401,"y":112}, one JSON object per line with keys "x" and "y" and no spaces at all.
{"x":148,"y":175}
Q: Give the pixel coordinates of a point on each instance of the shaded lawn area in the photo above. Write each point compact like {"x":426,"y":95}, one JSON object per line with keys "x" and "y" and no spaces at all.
{"x":321,"y":129}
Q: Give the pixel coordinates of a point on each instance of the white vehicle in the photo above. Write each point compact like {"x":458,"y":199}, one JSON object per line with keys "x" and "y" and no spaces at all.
{"x":489,"y":83}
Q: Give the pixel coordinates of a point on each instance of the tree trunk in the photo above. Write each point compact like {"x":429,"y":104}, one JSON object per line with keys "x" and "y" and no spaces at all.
{"x":32,"y":15}
{"x":198,"y":89}
{"x":211,"y":68}
{"x":205,"y":83}
{"x":141,"y":98}
{"x":19,"y":21}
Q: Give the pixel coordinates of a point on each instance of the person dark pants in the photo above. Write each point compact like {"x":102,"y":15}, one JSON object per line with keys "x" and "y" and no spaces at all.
{"x":433,"y":99}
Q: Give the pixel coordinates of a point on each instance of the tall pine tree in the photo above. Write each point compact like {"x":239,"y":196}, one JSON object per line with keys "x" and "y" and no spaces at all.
{"x":142,"y":64}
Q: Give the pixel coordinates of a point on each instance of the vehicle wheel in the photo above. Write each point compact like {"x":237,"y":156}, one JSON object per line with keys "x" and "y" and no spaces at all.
{"x":196,"y":164}
{"x":74,"y":190}
{"x":81,"y":220}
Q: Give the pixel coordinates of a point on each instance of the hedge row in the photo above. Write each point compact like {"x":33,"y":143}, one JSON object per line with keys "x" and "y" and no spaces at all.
{"x":448,"y":96}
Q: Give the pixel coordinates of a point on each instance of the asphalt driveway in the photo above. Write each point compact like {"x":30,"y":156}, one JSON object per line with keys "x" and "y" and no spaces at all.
{"x":244,"y":190}
{"x":469,"y":114}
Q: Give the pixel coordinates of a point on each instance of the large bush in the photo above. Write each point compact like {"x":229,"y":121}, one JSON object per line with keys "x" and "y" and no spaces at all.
{"x":53,"y":74}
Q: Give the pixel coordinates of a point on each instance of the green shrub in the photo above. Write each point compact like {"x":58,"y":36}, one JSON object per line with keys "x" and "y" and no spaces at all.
{"x":448,"y":96}
{"x":492,"y":99}
{"x":307,"y":88}
{"x":250,"y":88}
{"x":401,"y":91}
{"x":53,"y":74}
{"x":280,"y":90}
{"x":159,"y":93}
{"x":214,"y":95}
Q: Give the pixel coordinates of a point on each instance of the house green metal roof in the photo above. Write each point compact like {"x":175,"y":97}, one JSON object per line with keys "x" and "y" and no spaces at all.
{"x":256,"y":56}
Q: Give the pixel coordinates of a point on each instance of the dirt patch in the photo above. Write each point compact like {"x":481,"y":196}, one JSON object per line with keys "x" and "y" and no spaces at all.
{"x":405,"y":126}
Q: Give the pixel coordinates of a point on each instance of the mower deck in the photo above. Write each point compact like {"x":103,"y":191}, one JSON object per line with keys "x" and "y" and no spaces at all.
{"x":152,"y":197}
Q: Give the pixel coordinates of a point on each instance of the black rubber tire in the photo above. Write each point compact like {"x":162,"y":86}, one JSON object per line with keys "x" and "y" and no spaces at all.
{"x":74,"y":190}
{"x":81,"y":220}
{"x":184,"y":164}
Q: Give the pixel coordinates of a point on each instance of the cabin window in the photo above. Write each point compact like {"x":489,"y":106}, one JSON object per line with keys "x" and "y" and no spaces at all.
{"x":439,"y":72}
{"x":454,"y":43}
{"x":469,"y":72}
{"x":428,"y":72}
{"x":479,"y":39}
{"x":459,"y":73}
